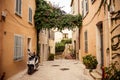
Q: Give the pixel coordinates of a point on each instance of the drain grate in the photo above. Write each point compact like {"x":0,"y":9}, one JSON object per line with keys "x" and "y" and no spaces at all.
{"x":76,"y":63}
{"x":55,"y":65}
{"x":64,"y":69}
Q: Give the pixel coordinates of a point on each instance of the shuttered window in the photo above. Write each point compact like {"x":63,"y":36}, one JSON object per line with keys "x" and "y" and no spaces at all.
{"x":86,"y":41}
{"x":18,"y":7}
{"x":92,"y":1}
{"x":18,"y":47}
{"x":84,"y":7}
{"x":30,"y":15}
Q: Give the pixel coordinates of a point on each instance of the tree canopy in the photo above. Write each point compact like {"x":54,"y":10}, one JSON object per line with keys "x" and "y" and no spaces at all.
{"x":48,"y":16}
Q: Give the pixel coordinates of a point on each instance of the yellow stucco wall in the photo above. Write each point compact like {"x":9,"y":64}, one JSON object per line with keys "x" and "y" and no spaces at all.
{"x":15,"y":25}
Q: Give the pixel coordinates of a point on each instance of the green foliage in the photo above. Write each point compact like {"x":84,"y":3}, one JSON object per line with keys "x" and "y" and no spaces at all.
{"x":112,"y":72}
{"x":90,"y":62}
{"x":51,"y":57}
{"x":60,"y":46}
{"x":68,"y":41}
{"x":47,"y":16}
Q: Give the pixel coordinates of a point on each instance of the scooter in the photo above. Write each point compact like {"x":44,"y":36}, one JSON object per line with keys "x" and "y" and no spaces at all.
{"x":32,"y":63}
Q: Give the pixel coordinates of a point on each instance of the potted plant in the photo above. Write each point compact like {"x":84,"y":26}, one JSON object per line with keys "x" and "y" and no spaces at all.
{"x":51,"y":57}
{"x":90,"y":62}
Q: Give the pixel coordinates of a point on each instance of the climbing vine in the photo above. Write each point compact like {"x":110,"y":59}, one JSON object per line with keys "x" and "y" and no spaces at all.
{"x":49,"y":17}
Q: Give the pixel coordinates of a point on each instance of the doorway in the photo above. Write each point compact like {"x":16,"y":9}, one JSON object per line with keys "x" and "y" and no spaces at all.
{"x":99,"y":44}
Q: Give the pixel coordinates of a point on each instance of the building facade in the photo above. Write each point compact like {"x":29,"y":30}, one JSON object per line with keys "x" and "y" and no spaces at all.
{"x":98,"y":32}
{"x":17,"y":34}
{"x":51,"y":42}
{"x":114,"y":13}
{"x":43,"y":41}
{"x":75,"y":7}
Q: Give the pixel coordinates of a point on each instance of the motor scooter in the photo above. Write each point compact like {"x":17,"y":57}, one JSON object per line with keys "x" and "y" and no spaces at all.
{"x":32,"y":63}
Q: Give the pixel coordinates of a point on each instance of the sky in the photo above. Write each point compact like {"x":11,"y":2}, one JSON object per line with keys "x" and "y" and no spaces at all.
{"x":62,"y":3}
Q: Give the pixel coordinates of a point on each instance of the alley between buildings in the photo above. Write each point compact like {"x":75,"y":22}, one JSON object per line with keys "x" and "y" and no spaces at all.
{"x":56,"y":70}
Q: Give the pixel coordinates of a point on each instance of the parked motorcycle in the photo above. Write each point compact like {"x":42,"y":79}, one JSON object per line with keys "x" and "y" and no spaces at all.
{"x":32,"y":63}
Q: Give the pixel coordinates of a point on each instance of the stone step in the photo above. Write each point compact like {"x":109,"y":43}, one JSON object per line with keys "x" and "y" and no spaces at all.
{"x":96,"y":75}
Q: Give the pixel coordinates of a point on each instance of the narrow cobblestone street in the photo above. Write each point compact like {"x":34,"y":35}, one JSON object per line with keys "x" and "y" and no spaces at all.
{"x":58,"y":70}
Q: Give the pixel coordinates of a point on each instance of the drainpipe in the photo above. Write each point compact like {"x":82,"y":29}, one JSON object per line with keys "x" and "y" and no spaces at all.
{"x":78,"y":30}
{"x":109,"y":28}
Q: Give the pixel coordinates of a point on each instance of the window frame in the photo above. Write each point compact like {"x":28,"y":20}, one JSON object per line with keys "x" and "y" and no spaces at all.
{"x":18,"y":8}
{"x":85,"y":8}
{"x":30,"y":17}
{"x":92,"y":1}
{"x":18,"y":57}
{"x":86,"y":41}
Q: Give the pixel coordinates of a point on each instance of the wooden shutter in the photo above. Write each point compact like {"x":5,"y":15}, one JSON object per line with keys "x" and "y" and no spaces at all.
{"x":30,"y":15}
{"x":86,"y":41}
{"x":82,"y":8}
{"x":18,"y":51}
{"x":18,"y":7}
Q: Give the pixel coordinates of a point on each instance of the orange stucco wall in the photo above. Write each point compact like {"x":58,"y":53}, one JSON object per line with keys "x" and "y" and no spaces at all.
{"x":92,"y":30}
{"x":116,"y":31}
{"x":90,"y":26}
{"x":15,"y":25}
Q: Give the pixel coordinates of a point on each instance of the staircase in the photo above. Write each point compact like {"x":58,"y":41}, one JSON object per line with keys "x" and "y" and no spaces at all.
{"x":96,"y":75}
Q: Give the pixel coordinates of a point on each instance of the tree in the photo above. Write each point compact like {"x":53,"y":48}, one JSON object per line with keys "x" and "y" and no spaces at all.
{"x":48,"y":17}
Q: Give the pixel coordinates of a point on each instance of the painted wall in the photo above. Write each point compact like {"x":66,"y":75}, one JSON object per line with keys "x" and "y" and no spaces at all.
{"x":94,"y":39}
{"x":43,"y":37}
{"x":75,"y":5}
{"x":51,"y":41}
{"x":16,"y":25}
{"x":115,"y":32}
{"x":90,"y":25}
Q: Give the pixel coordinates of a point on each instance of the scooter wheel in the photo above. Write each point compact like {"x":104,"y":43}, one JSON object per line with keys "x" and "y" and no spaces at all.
{"x":30,"y":70}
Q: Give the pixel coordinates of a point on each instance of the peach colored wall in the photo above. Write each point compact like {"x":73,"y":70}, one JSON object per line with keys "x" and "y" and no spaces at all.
{"x":16,"y":25}
{"x":117,"y":30}
{"x":0,"y":37}
{"x":43,"y":41}
{"x":75,"y":33}
{"x":92,"y":29}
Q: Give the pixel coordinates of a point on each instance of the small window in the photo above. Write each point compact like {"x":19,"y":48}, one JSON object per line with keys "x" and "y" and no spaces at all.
{"x":84,"y":7}
{"x":86,"y":41}
{"x":18,"y":47}
{"x":30,"y":15}
{"x":18,"y":7}
{"x":92,"y":1}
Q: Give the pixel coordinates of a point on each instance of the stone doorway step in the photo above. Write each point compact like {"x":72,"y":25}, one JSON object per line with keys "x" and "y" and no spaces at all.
{"x":96,"y":75}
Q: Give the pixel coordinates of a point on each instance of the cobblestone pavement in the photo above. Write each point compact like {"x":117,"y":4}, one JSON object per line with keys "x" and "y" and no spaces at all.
{"x":57,"y":70}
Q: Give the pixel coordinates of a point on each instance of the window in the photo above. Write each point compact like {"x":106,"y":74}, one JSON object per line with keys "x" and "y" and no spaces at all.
{"x":65,"y":36}
{"x":18,"y":47}
{"x":86,"y":41}
{"x":30,"y":15}
{"x":84,"y":7}
{"x":18,"y":7}
{"x":92,"y":1}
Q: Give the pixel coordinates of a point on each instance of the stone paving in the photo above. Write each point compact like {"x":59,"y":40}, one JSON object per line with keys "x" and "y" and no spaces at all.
{"x":51,"y":70}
